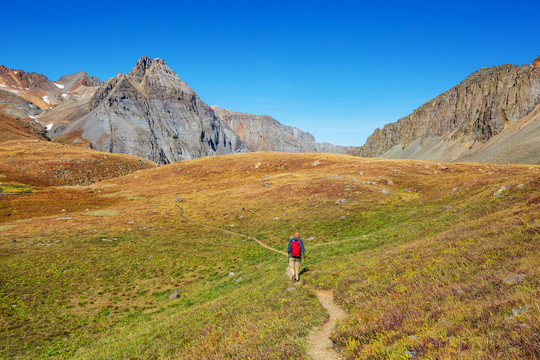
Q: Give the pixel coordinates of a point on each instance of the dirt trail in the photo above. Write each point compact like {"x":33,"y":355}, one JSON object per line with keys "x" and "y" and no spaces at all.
{"x":319,"y":342}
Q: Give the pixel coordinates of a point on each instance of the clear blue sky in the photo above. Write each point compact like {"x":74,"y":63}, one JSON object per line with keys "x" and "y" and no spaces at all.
{"x":338,"y":69}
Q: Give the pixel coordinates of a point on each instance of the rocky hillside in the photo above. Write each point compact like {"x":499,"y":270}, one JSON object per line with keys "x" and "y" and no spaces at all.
{"x":150,"y":113}
{"x":24,"y":97}
{"x":492,"y":106}
{"x":264,"y":133}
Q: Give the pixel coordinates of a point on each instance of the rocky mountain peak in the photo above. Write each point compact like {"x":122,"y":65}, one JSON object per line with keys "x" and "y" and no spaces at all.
{"x":536,"y":62}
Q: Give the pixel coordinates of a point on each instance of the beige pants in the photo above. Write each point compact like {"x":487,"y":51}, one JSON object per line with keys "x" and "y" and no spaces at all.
{"x":294,"y":268}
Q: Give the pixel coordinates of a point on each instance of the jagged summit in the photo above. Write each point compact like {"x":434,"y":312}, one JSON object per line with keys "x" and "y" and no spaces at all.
{"x":536,"y":62}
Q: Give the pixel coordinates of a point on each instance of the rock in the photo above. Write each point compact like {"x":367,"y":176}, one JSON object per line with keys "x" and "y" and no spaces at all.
{"x":514,"y":279}
{"x":276,"y":218}
{"x":239,"y":279}
{"x":342,"y":218}
{"x":341,"y":201}
{"x":520,"y":310}
{"x":64,"y":218}
{"x":315,"y":163}
{"x":151,"y":257}
{"x":361,"y":173}
{"x":369,"y":182}
{"x":501,"y":190}
{"x":231,"y":274}
{"x":442,"y":167}
{"x":389,"y":182}
{"x":231,"y":225}
{"x":178,"y":199}
{"x":13,"y":240}
{"x":311,"y":238}
{"x":447,"y":207}
{"x":291,"y":288}
{"x":264,"y":184}
{"x":174,"y":296}
{"x":520,"y":186}
{"x":385,"y":192}
{"x":409,"y":354}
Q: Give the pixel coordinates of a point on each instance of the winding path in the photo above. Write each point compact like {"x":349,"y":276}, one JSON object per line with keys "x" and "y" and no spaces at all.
{"x":319,"y":342}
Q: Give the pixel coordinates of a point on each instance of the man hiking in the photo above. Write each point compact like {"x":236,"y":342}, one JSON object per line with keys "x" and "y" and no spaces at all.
{"x":295,"y":250}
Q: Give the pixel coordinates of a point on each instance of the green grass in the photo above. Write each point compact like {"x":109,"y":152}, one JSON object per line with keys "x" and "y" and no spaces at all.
{"x":413,"y":275}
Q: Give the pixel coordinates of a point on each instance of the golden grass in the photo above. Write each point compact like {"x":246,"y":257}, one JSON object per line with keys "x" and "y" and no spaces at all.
{"x":419,"y":270}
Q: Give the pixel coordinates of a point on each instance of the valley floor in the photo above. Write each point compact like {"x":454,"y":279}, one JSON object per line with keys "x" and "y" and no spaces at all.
{"x":424,"y":259}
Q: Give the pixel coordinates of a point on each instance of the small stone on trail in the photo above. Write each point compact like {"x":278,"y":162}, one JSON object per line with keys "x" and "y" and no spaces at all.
{"x":385,"y":192}
{"x":514,"y":279}
{"x":315,"y":163}
{"x":341,"y":201}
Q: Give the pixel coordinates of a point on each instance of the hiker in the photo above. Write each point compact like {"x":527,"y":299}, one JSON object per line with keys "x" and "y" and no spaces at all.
{"x":295,"y":250}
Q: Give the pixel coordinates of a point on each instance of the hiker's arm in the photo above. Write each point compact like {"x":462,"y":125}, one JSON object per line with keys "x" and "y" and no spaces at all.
{"x":289,"y":247}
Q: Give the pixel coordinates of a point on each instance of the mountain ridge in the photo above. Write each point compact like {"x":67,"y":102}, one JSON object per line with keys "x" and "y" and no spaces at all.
{"x":454,"y":125}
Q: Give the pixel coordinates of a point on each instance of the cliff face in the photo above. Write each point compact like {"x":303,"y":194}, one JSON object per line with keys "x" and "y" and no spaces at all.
{"x":153,"y":114}
{"x":455,"y":124}
{"x":264,"y":133}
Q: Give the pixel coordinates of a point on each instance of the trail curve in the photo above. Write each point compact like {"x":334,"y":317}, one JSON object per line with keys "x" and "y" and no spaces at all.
{"x":319,"y":341}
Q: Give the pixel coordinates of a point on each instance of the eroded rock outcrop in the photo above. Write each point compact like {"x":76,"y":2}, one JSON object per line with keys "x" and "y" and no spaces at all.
{"x":264,"y":133}
{"x":460,"y":122}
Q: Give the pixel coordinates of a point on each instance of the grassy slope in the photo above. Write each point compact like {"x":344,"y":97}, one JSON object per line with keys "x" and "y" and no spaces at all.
{"x":412,"y":275}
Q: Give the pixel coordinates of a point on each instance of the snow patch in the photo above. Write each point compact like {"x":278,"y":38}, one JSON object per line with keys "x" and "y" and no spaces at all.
{"x":13,"y":86}
{"x":15,"y":91}
{"x":46,"y":99}
{"x":3,"y":85}
{"x":60,"y":86}
{"x":32,"y":117}
{"x":49,"y":127}
{"x":15,"y":72}
{"x":27,"y":88}
{"x":64,"y":95}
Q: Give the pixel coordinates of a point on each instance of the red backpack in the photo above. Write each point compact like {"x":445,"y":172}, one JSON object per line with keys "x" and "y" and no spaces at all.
{"x":295,"y":249}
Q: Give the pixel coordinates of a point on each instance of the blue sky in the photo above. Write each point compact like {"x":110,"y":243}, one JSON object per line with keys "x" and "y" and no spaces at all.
{"x":338,"y":69}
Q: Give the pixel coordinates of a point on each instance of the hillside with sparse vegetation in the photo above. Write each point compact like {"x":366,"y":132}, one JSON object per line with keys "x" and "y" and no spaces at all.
{"x":428,"y":260}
